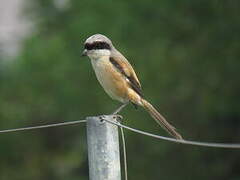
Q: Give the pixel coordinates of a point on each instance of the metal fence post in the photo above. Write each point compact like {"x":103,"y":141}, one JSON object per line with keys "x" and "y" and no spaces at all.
{"x":103,"y":149}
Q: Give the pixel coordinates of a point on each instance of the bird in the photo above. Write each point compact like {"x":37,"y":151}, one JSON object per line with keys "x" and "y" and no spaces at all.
{"x":118,"y":78}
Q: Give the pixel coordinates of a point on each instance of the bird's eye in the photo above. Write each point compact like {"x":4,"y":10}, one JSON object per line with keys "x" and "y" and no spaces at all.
{"x":87,"y":46}
{"x":97,"y":45}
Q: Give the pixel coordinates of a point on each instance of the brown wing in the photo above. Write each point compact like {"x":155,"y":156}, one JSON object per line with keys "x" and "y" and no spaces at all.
{"x":125,"y":68}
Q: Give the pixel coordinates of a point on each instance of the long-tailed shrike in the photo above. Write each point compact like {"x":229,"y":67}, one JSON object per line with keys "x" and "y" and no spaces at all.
{"x":118,"y":78}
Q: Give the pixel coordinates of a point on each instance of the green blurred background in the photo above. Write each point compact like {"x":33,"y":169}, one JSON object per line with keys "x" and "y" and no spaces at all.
{"x":186,"y":54}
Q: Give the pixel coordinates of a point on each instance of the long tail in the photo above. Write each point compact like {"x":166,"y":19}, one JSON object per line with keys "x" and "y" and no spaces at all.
{"x":160,"y":119}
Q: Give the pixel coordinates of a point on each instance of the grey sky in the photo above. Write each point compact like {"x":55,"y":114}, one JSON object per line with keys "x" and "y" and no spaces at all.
{"x":13,"y":27}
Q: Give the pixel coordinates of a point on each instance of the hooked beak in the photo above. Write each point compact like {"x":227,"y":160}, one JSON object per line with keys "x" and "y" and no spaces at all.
{"x":84,"y":53}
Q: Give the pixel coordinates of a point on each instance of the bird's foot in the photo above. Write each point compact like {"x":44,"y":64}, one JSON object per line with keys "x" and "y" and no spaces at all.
{"x":115,"y":117}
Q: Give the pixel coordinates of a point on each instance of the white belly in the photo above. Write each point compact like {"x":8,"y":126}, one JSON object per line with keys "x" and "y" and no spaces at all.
{"x":105,"y":78}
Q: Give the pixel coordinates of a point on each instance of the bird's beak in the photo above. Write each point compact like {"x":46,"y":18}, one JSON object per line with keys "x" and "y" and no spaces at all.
{"x":84,"y":53}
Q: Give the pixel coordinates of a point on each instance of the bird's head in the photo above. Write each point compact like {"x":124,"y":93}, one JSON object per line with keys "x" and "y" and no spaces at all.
{"x":97,"y":46}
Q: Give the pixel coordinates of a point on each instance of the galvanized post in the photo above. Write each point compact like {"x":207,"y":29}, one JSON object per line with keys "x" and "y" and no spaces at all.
{"x":103,"y":149}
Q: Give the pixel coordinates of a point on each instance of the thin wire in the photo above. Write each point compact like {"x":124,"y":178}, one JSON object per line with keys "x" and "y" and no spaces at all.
{"x":42,"y":126}
{"x":196,"y":143}
{"x":124,"y":153}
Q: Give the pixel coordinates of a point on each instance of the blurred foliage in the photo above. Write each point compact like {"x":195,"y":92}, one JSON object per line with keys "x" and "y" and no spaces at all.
{"x":186,"y":54}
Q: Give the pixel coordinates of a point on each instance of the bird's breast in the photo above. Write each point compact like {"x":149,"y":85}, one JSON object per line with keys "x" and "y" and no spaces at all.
{"x":111,"y":80}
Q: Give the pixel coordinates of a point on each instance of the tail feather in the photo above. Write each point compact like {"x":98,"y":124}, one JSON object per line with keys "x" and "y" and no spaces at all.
{"x":161,"y":120}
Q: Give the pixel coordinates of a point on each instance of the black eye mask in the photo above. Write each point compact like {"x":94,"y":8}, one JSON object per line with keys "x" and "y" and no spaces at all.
{"x":97,"y":45}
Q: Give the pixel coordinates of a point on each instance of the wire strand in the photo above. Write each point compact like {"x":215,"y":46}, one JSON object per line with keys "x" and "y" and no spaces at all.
{"x":43,"y":126}
{"x":124,"y":153}
{"x":196,"y":143}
